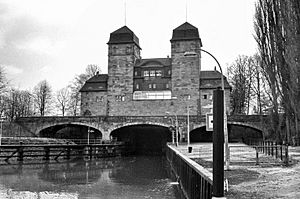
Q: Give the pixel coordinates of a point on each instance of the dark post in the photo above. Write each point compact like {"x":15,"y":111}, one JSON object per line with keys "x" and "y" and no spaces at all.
{"x":281,"y":152}
{"x":218,"y":143}
{"x":257,"y":160}
{"x":91,"y":152}
{"x":68,"y":151}
{"x":286,"y":159}
{"x":20,"y":152}
{"x":47,"y":153}
{"x":272,"y":148}
{"x":276,"y":150}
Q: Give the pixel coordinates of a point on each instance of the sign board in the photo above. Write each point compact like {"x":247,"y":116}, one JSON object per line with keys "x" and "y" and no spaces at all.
{"x":209,"y":122}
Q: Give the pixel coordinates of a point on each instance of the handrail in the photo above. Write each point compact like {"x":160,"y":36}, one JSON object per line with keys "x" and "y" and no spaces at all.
{"x":194,"y":180}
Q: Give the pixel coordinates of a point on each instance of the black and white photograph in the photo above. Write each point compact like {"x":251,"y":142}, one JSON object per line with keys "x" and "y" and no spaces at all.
{"x":140,"y":99}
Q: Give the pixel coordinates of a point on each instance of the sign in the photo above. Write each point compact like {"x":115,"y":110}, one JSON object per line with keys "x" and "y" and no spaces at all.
{"x":209,"y":122}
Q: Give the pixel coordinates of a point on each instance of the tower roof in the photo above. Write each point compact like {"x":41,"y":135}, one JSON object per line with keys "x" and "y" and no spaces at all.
{"x":185,"y":32}
{"x":96,"y":83}
{"x":123,"y":36}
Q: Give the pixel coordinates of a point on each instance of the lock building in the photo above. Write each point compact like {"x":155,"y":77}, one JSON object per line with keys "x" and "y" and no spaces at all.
{"x":135,"y":86}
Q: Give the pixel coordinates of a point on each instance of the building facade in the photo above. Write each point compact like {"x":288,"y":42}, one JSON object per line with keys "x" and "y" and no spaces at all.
{"x":155,"y":86}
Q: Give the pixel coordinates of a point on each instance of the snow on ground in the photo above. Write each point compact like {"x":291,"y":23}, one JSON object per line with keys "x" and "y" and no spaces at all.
{"x":270,"y":179}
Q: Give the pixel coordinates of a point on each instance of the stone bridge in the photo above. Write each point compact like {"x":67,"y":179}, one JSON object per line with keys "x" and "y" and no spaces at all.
{"x":32,"y":126}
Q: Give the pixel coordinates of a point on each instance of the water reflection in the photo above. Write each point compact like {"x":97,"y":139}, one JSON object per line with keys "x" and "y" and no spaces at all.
{"x":123,"y":177}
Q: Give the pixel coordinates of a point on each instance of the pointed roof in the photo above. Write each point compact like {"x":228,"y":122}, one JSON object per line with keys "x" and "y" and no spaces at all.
{"x":212,"y":79}
{"x":184,"y":32}
{"x":158,"y":61}
{"x":96,"y":83}
{"x":123,"y":36}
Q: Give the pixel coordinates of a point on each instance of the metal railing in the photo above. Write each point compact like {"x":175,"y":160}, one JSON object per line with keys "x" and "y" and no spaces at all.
{"x":271,"y":148}
{"x":33,"y":141}
{"x":194,"y":180}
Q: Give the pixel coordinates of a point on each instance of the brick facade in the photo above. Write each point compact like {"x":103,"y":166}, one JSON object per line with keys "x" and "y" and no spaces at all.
{"x":177,"y":79}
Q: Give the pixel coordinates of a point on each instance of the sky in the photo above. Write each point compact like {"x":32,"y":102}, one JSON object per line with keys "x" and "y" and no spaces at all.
{"x":55,"y":40}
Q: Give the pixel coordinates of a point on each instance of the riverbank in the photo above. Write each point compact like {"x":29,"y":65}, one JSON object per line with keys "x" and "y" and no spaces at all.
{"x":269,"y":179}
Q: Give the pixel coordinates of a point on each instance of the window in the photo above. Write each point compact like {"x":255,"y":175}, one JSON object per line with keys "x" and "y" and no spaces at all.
{"x":99,"y":99}
{"x":167,"y":85}
{"x":169,"y":72}
{"x":114,"y":49}
{"x":135,"y":73}
{"x":137,"y":86}
{"x":204,"y":96}
{"x":152,"y":73}
{"x":158,"y":73}
{"x":120,"y":98}
{"x":152,"y":95}
{"x":128,"y":49}
{"x":146,"y":73}
{"x":150,"y":86}
{"x":154,"y":86}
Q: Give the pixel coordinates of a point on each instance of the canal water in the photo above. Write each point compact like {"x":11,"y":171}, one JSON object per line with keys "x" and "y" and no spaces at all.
{"x":121,"y":177}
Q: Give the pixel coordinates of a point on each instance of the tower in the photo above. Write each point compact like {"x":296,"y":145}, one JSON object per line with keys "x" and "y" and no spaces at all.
{"x":123,"y":50}
{"x":185,"y":54}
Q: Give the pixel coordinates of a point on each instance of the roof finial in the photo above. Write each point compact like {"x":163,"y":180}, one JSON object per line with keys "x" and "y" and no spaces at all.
{"x":125,"y":11}
{"x":186,"y":10}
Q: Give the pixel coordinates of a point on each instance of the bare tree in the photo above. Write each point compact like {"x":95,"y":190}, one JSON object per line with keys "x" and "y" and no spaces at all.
{"x":77,"y":84}
{"x":240,"y":75}
{"x":3,"y":91}
{"x":19,"y":104}
{"x":42,"y":96}
{"x":63,"y":98}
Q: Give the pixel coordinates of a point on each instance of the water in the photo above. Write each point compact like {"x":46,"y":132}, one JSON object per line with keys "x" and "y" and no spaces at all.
{"x":122,"y":177}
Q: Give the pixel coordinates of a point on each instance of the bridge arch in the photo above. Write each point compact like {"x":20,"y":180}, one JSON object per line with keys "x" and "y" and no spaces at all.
{"x":118,"y":126}
{"x":199,"y":133}
{"x":98,"y":129}
{"x":143,"y":138}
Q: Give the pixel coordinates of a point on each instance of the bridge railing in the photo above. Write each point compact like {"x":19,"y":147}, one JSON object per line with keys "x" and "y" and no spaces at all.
{"x":194,"y":180}
{"x":92,"y":141}
{"x":32,"y":141}
{"x":271,"y":148}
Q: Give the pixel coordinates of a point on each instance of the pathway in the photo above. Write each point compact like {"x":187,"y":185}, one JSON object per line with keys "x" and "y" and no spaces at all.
{"x":269,"y":179}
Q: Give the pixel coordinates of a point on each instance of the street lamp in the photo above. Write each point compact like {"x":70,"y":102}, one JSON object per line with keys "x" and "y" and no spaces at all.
{"x":1,"y":128}
{"x":224,"y":104}
{"x":188,"y":119}
{"x":89,"y":131}
{"x":176,"y":127}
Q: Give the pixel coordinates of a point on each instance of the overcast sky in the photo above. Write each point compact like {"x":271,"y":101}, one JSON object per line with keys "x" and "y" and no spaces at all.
{"x":56,"y":39}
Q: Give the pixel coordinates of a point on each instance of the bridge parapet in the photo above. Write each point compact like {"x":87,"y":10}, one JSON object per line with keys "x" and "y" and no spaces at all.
{"x":106,"y":124}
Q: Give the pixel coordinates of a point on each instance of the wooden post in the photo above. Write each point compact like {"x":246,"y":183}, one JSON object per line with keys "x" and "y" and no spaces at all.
{"x":281,"y":152}
{"x":20,"y":152}
{"x":257,"y":160}
{"x":47,"y":153}
{"x":272,"y":149}
{"x":286,"y":159}
{"x":276,"y":150}
{"x":68,"y":152}
{"x":91,"y":152}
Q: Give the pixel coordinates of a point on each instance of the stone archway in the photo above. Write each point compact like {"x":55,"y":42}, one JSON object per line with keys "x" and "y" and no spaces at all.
{"x":143,"y":138}
{"x":240,"y":133}
{"x":70,"y":131}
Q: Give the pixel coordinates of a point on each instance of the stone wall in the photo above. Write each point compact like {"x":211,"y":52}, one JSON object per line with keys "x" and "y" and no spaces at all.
{"x":93,"y":103}
{"x":185,"y":76}
{"x":207,"y":101}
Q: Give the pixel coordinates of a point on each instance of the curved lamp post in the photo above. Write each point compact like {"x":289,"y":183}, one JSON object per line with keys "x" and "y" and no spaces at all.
{"x":225,"y":115}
